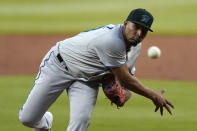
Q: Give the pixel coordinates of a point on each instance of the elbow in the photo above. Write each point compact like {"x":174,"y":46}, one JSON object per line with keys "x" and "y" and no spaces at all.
{"x":123,"y":82}
{"x":128,"y":82}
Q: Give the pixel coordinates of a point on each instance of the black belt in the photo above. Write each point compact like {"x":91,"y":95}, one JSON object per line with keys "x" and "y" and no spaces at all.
{"x":59,"y":58}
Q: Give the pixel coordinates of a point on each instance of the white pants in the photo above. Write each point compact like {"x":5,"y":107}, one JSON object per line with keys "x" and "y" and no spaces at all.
{"x":51,"y":81}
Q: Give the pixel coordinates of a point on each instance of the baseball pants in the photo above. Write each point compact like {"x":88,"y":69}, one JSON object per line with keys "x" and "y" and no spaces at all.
{"x":52,"y":79}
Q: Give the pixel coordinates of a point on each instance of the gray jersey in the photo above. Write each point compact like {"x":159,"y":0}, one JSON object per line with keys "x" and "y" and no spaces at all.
{"x":90,"y":54}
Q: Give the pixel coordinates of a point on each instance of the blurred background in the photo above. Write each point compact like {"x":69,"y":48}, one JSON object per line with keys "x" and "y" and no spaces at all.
{"x":28,"y":29}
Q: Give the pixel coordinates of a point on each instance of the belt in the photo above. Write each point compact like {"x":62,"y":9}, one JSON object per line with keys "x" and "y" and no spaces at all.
{"x":61,"y":60}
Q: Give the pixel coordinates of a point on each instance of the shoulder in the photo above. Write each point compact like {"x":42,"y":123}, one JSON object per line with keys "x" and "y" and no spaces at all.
{"x":136,"y":48}
{"x":113,"y":38}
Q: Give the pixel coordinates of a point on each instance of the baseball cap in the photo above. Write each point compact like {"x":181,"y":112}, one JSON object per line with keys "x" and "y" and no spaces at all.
{"x":141,"y":17}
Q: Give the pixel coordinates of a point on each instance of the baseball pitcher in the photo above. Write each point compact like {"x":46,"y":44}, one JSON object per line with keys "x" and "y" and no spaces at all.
{"x":105,"y":55}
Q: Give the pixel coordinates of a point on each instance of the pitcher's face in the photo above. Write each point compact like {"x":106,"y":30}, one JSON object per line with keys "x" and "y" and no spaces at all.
{"x":133,"y":33}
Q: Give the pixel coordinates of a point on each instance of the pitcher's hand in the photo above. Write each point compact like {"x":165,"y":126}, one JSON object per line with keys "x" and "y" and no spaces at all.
{"x":160,"y":102}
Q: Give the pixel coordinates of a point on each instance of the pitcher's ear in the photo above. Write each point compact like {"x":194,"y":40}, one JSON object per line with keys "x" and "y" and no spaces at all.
{"x":125,"y":23}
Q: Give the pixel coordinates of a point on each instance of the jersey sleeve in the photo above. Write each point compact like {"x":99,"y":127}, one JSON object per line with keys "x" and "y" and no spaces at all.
{"x":111,"y":54}
{"x":133,"y":54}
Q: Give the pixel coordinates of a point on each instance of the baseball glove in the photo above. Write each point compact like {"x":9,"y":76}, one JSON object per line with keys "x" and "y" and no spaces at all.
{"x":114,"y":91}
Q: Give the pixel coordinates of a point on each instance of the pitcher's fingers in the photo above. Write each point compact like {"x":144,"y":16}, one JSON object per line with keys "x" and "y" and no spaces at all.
{"x":156,"y":109}
{"x":161,"y":110}
{"x":168,"y":109}
{"x":169,"y":103}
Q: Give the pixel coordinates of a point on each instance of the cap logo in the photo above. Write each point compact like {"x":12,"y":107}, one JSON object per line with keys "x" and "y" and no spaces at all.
{"x":145,"y":18}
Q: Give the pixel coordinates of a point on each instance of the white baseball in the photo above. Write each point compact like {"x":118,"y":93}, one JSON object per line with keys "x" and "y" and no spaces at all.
{"x":154,"y":52}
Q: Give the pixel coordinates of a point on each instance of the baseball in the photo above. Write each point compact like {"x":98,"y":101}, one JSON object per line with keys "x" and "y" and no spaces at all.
{"x":154,"y":52}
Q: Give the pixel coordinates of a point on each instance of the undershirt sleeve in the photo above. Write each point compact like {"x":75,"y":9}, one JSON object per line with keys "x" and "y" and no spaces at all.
{"x":133,"y":55}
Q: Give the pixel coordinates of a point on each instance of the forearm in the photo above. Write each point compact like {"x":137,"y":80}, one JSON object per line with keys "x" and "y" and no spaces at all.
{"x":136,"y":86}
{"x":131,"y":83}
